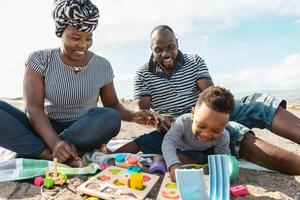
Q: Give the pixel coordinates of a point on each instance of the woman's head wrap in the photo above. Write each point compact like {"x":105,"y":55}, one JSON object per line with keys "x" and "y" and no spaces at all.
{"x":82,"y":14}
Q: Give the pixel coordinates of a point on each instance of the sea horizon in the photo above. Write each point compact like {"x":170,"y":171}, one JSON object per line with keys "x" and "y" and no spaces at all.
{"x":288,"y":94}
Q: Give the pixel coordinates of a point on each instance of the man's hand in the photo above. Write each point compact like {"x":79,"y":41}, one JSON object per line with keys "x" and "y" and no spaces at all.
{"x":145,"y":117}
{"x":64,"y":150}
{"x":172,"y":171}
{"x":165,"y":122}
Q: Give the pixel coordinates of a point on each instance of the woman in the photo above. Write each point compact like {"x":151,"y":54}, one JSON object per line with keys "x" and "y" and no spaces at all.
{"x":61,"y":90}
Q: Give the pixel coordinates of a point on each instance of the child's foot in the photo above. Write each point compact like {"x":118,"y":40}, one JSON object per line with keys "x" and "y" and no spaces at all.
{"x":103,"y":149}
{"x":158,"y":158}
{"x":77,"y":162}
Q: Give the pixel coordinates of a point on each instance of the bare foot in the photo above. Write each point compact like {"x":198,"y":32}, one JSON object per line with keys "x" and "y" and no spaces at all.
{"x":77,"y":162}
{"x":103,"y":149}
{"x":158,"y":158}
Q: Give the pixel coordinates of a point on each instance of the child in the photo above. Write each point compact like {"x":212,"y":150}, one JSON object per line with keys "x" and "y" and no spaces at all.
{"x":196,"y":132}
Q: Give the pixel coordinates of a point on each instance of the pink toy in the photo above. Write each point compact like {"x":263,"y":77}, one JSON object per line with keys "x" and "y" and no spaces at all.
{"x":239,"y":190}
{"x":103,"y":166}
{"x":38,"y":181}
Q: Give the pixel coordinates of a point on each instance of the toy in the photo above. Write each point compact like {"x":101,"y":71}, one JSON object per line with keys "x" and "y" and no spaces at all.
{"x":218,"y":177}
{"x":116,"y":183}
{"x":197,"y":189}
{"x":38,"y":181}
{"x":158,"y":166}
{"x":239,"y":190}
{"x":134,"y":169}
{"x":136,"y":181}
{"x":49,"y":181}
{"x":91,"y":198}
{"x":233,"y":167}
{"x":191,"y":190}
{"x":168,"y":189}
{"x":122,"y":161}
{"x":103,"y":166}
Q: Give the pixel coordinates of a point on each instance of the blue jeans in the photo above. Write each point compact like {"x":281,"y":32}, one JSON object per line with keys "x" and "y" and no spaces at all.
{"x":253,"y":111}
{"x":97,"y":126}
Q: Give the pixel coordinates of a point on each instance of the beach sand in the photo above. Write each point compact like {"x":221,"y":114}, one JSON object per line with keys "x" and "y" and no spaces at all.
{"x":261,"y":185}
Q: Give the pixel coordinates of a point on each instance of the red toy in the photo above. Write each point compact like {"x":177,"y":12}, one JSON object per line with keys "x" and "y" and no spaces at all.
{"x":38,"y":181}
{"x":239,"y":190}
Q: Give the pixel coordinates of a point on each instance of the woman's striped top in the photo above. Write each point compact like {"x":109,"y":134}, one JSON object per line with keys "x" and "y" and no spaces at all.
{"x":68,"y":95}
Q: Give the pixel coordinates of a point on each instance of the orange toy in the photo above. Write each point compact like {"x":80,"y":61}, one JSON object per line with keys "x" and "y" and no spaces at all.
{"x":49,"y":181}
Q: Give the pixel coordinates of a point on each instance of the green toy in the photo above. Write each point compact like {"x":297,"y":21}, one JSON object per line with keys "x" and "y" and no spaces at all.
{"x":233,"y":167}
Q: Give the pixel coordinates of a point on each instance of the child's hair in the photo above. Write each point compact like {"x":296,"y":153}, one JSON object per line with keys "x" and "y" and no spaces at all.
{"x":217,"y":98}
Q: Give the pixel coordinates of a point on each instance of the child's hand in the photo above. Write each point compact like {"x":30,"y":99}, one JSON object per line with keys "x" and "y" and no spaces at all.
{"x":165,"y":123}
{"x":172,"y":171}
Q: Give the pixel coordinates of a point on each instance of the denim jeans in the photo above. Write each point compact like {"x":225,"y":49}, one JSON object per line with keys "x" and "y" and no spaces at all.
{"x":97,"y":126}
{"x":252,"y":111}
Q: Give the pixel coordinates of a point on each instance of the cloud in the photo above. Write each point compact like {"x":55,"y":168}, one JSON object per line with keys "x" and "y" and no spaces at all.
{"x":124,"y":76}
{"x":132,"y":20}
{"x":297,"y":21}
{"x":283,"y":76}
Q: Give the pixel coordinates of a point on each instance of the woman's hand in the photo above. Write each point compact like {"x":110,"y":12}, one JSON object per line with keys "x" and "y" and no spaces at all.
{"x":145,"y":117}
{"x":165,"y":123}
{"x":64,"y":150}
{"x":172,"y":171}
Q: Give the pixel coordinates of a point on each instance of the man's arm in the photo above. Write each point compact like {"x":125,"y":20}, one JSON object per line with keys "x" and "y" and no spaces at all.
{"x":204,"y":83}
{"x":223,"y":146}
{"x":144,"y":102}
{"x":165,"y":121}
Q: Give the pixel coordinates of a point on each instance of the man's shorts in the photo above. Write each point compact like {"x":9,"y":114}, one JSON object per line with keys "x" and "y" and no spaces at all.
{"x":252,"y":111}
{"x":151,"y":144}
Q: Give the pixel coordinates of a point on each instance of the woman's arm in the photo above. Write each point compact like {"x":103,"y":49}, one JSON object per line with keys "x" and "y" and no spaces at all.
{"x":109,"y":99}
{"x":34,"y":94}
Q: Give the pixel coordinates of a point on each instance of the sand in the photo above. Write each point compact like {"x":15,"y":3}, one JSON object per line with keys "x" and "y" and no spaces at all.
{"x":261,"y":185}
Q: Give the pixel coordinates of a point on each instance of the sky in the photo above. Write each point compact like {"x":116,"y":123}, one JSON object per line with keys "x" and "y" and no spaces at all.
{"x":248,"y":45}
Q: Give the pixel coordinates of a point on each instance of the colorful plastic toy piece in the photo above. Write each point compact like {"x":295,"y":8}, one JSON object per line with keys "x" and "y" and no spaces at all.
{"x":158,"y":166}
{"x":124,"y":180}
{"x":122,"y":161}
{"x":168,"y":189}
{"x":38,"y":181}
{"x":233,"y":167}
{"x":103,"y":166}
{"x":218,"y":177}
{"x":91,"y":198}
{"x":134,"y":169}
{"x":191,"y":190}
{"x":136,"y":181}
{"x":49,"y":181}
{"x":170,"y":195}
{"x":63,"y":176}
{"x":120,"y":158}
{"x":132,"y":161}
{"x":239,"y":190}
{"x":118,"y":185}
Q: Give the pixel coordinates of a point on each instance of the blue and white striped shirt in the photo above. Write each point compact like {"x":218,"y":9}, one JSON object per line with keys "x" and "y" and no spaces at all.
{"x":69,"y":95}
{"x":173,"y":95}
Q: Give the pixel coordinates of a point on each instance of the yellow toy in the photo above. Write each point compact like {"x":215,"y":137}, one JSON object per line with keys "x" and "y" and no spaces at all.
{"x":136,"y":181}
{"x":118,"y":183}
{"x":49,"y":181}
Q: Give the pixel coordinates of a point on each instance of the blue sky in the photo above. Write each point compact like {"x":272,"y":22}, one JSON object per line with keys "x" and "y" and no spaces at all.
{"x":247,"y":44}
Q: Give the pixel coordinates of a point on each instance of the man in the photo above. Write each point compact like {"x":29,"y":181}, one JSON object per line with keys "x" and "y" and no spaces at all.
{"x":170,"y":84}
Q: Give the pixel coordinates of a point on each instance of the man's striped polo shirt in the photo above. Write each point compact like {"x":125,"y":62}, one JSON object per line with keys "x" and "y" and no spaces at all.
{"x":176,"y":94}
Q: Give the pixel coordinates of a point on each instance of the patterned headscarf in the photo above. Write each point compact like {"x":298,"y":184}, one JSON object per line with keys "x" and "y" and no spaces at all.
{"x":82,"y":14}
